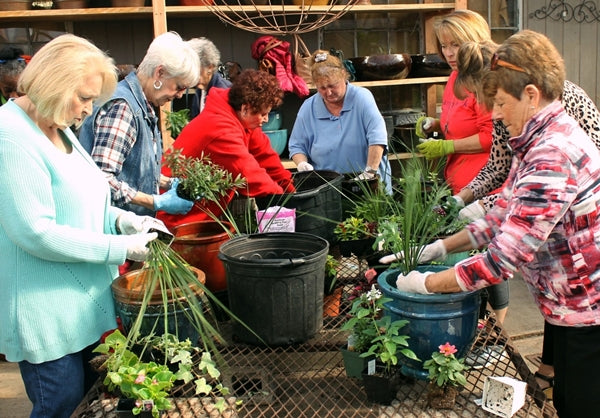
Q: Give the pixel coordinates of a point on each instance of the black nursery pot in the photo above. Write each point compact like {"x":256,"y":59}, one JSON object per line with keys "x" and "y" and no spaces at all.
{"x":381,"y":387}
{"x":358,"y":247}
{"x":124,"y":409}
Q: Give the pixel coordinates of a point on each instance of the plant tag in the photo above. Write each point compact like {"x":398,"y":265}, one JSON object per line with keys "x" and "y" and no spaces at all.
{"x":371,"y":367}
{"x":276,"y":219}
{"x":147,"y":405}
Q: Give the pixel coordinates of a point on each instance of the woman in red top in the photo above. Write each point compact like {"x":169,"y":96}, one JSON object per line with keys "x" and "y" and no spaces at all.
{"x":229,"y":131}
{"x":465,"y":126}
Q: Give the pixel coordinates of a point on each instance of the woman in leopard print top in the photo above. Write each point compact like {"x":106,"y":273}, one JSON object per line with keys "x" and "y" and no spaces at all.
{"x":473,"y":62}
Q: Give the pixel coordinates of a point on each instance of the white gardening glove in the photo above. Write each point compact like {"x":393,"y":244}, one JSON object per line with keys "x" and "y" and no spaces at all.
{"x":459,"y":201}
{"x":366,"y":175}
{"x":436,"y":251}
{"x":137,"y":249}
{"x":129,"y":223}
{"x":472,"y":212}
{"x":413,"y":282}
{"x":305,"y":166}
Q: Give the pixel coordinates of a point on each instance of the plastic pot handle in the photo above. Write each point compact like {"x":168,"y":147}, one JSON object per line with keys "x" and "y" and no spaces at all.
{"x":275,"y":263}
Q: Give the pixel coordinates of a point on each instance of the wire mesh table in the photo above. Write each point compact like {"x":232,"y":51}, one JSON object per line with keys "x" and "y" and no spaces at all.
{"x":309,"y":379}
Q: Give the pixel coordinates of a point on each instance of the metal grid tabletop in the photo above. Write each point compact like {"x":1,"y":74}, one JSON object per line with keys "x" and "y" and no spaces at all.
{"x":309,"y":379}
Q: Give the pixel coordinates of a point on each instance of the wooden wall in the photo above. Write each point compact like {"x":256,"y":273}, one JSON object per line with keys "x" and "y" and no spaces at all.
{"x":577,"y":40}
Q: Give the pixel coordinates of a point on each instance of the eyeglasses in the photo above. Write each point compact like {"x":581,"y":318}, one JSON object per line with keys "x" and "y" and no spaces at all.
{"x":497,"y":62}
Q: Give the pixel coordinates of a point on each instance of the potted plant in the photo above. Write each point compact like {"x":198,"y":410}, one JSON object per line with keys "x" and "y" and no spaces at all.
{"x":445,"y":376}
{"x":200,"y":178}
{"x":145,"y":385}
{"x":355,"y":236}
{"x":377,"y":338}
{"x":415,"y":220}
{"x":380,"y":338}
{"x":180,"y":292}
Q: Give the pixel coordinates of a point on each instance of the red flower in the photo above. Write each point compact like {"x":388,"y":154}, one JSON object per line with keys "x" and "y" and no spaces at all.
{"x":447,"y":349}
{"x":370,"y":274}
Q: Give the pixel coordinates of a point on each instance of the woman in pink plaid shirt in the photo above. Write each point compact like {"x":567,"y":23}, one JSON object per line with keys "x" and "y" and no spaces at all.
{"x":546,"y":224}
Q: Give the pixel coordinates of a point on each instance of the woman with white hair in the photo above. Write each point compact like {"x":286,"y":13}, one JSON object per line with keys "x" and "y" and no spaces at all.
{"x":123,"y":136}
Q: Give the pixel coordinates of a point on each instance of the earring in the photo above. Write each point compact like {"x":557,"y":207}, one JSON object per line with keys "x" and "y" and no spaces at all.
{"x":157,"y":84}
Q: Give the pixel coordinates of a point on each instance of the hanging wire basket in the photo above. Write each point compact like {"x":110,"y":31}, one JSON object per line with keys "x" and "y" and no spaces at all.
{"x":275,"y":17}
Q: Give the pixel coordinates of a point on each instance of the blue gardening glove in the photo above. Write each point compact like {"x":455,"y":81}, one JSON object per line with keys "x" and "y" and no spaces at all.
{"x":422,"y":126}
{"x":137,"y":246}
{"x":436,"y":148}
{"x":170,"y":202}
{"x":413,"y":282}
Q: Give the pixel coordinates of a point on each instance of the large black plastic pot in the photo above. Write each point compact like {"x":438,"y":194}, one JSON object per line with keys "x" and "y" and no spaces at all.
{"x":275,"y":283}
{"x":317,"y":200}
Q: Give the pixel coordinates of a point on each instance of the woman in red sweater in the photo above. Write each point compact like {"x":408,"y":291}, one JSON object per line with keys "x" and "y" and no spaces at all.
{"x":229,"y":131}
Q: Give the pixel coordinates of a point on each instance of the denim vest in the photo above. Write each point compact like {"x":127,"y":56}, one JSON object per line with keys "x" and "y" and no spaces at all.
{"x":141,"y":168}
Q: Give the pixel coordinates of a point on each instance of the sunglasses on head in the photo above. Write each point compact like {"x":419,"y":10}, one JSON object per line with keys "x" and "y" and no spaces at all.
{"x":497,"y":62}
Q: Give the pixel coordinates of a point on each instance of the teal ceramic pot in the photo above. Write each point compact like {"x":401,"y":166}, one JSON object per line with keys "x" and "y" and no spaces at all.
{"x":433,"y":320}
{"x":274,"y":122}
{"x":278,"y":139}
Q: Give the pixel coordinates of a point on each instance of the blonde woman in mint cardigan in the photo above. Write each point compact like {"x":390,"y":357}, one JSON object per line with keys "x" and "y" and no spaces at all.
{"x":58,"y":231}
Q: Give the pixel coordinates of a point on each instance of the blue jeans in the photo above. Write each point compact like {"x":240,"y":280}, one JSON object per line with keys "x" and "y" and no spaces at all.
{"x":57,"y":387}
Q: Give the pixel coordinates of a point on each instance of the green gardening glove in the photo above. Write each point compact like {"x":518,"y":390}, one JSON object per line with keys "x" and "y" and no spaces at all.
{"x":436,"y":148}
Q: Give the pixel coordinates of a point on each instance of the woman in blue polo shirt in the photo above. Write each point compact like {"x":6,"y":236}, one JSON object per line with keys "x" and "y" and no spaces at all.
{"x":341,"y":128}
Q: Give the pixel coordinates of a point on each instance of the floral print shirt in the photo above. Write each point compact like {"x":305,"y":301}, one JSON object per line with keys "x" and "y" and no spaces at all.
{"x":576,"y":103}
{"x":546,"y":223}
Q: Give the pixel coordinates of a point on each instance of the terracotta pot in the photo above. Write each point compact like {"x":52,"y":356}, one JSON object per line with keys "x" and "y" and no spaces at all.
{"x":128,"y":291}
{"x":15,"y":5}
{"x":331,"y":303}
{"x":198,"y":243}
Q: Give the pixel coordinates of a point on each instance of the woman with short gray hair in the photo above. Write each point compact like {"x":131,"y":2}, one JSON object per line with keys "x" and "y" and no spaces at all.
{"x":210,"y":58}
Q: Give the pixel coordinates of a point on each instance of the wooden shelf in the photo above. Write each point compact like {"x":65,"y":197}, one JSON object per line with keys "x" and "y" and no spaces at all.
{"x":110,"y":13}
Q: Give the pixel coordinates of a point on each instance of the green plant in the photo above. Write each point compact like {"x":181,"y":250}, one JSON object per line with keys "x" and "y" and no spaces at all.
{"x":200,"y":178}
{"x":445,"y":369}
{"x":152,"y":381}
{"x":376,"y":334}
{"x":331,"y":273}
{"x":353,"y":228}
{"x":414,"y":217}
{"x":176,"y":121}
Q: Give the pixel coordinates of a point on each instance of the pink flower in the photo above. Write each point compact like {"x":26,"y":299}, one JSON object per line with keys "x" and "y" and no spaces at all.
{"x":370,"y":274}
{"x":447,"y":349}
{"x":140,"y":379}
